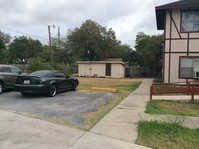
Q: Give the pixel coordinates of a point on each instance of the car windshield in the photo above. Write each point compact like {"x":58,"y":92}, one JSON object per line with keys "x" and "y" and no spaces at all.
{"x":41,"y":73}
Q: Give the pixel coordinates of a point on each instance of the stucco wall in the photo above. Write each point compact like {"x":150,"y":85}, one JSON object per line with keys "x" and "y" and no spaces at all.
{"x":177,"y":46}
{"x":91,"y":70}
{"x":117,"y":70}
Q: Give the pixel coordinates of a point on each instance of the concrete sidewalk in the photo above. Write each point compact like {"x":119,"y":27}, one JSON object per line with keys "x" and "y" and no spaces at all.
{"x":120,"y":123}
{"x":21,"y":132}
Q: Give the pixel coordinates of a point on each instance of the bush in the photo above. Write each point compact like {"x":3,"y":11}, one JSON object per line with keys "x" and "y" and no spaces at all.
{"x":158,"y":80}
{"x":40,"y":64}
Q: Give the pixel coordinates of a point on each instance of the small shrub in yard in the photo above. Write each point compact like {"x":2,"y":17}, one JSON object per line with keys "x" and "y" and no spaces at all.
{"x":162,"y":135}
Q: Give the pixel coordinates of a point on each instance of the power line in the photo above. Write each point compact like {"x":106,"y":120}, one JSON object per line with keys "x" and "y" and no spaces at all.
{"x":23,"y":33}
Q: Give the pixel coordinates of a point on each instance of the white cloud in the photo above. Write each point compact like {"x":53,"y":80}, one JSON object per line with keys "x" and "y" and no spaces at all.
{"x":126,"y":17}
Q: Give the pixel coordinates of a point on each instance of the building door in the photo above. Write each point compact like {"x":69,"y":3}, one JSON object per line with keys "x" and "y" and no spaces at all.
{"x":87,"y":70}
{"x":108,"y":69}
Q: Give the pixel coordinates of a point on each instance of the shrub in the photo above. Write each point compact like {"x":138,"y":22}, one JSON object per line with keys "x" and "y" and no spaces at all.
{"x":158,"y":80}
{"x":40,"y":64}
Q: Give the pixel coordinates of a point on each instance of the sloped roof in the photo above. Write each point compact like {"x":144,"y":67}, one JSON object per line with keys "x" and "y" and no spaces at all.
{"x":180,"y":4}
{"x":161,"y":10}
{"x":100,"y":62}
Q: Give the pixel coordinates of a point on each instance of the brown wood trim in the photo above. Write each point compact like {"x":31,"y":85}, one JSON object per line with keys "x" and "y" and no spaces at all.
{"x":164,"y":49}
{"x":170,"y":13}
{"x":190,"y":32}
{"x":182,"y":38}
{"x":173,"y":52}
{"x":169,"y":73}
{"x":189,"y":56}
{"x":188,"y":44}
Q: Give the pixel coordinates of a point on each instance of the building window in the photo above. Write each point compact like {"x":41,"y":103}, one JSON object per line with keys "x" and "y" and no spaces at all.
{"x":188,"y":66}
{"x":190,"y":21}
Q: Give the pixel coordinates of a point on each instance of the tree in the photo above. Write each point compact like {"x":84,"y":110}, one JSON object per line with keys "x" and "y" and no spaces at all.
{"x":128,"y":54}
{"x":6,"y":38}
{"x":63,"y":52}
{"x":4,"y":53}
{"x":93,"y":42}
{"x":149,"y":49}
{"x":153,"y":52}
{"x":23,"y":48}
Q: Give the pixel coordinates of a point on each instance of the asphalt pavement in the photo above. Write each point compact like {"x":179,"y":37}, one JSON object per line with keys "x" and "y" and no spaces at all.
{"x":66,"y":106}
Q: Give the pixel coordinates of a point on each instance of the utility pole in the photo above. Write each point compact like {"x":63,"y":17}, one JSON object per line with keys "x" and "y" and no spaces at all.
{"x":59,"y":40}
{"x":59,"y":45}
{"x":50,"y":44}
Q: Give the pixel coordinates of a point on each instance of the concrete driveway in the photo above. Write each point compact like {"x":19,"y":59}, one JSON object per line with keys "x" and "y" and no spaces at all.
{"x":66,"y":106}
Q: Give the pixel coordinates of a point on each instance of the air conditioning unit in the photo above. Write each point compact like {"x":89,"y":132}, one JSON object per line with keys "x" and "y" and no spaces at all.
{"x":196,"y":74}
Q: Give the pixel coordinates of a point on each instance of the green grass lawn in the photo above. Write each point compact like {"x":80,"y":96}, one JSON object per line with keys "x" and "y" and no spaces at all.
{"x":162,"y":135}
{"x":181,"y":108}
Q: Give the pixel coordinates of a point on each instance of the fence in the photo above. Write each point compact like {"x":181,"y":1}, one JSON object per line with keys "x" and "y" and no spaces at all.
{"x":174,"y":89}
{"x":135,"y":72}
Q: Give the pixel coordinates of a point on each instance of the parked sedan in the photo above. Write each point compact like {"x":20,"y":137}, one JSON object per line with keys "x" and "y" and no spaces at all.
{"x":48,"y":82}
{"x":8,"y":76}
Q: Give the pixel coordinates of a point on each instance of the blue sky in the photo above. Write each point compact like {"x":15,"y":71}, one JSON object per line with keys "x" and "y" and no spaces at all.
{"x":31,"y":17}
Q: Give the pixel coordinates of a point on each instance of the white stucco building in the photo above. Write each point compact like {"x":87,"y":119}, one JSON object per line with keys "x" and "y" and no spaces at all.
{"x":107,"y":68}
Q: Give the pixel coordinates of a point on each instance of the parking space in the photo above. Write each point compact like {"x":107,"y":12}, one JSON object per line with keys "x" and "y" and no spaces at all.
{"x":66,"y":106}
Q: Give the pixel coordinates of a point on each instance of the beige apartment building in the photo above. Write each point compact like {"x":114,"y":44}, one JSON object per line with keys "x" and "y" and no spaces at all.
{"x":180,"y":22}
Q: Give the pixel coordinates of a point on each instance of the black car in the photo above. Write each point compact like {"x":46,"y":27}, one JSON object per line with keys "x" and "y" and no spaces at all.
{"x":48,"y":82}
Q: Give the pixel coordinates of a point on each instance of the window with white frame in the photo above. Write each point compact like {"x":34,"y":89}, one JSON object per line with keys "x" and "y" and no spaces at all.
{"x":190,"y":21}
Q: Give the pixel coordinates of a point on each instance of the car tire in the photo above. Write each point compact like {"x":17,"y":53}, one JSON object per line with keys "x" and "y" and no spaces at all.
{"x":52,"y":91}
{"x":1,"y":87}
{"x":74,"y":86}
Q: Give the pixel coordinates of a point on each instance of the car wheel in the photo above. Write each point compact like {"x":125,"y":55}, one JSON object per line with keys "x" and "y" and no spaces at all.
{"x":52,"y":90}
{"x":75,"y":86}
{"x":1,"y":87}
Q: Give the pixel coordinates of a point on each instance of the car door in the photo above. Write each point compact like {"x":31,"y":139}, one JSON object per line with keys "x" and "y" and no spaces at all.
{"x":14,"y":73}
{"x":63,"y":81}
{"x":7,"y":76}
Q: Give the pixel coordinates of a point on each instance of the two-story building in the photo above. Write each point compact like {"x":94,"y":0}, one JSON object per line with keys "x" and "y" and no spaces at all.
{"x":180,"y":22}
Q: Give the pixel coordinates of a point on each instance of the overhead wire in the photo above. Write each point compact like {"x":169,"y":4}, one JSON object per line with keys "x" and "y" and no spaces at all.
{"x":42,"y":39}
{"x":22,"y":32}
